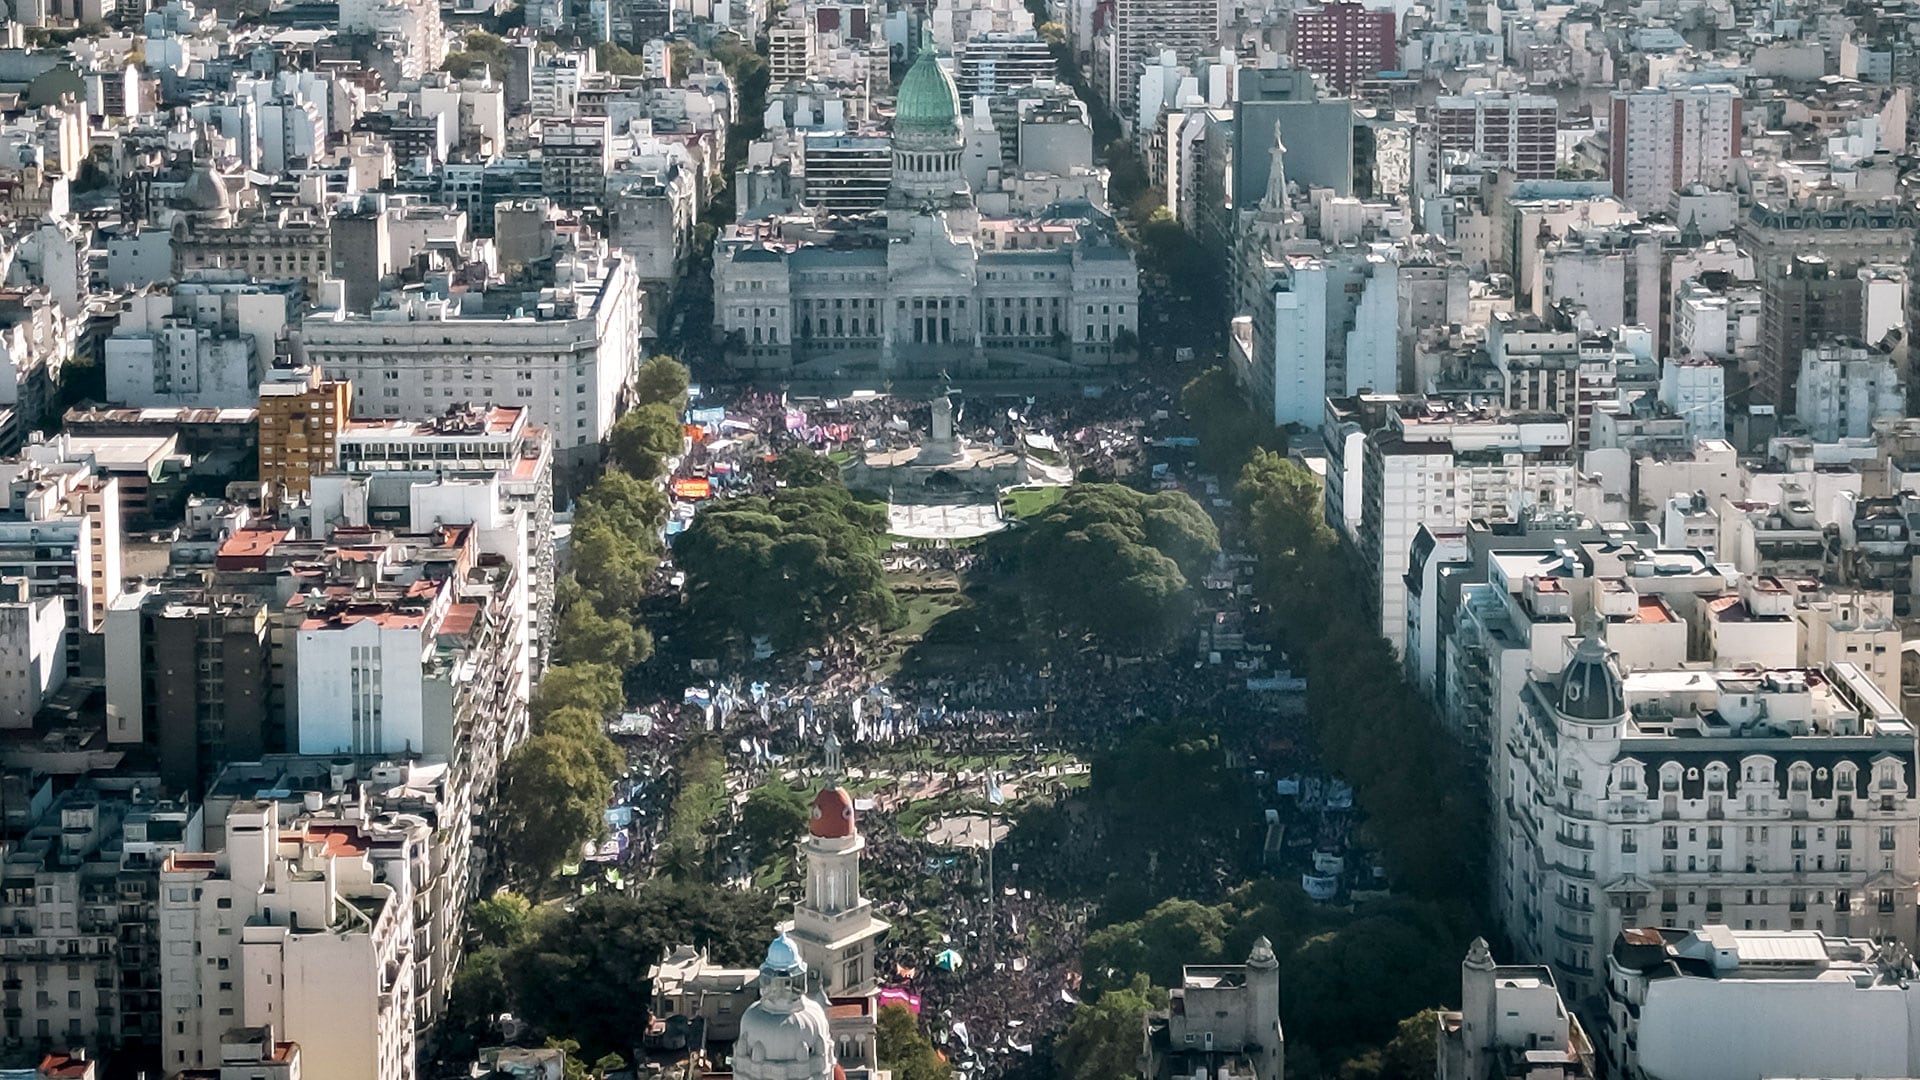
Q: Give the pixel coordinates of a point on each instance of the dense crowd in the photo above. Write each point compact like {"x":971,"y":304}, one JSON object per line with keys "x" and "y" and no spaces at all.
{"x":1017,"y":945}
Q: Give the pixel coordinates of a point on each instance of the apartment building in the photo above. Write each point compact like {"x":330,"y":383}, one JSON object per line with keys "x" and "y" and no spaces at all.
{"x":1500,"y":129}
{"x":490,"y":468}
{"x":329,"y":792}
{"x":1433,"y":463}
{"x":305,"y":925}
{"x":60,"y":529}
{"x":76,"y":924}
{"x":1669,"y":138}
{"x":1776,"y":799}
{"x":300,"y":416}
{"x":189,"y":676}
{"x":1721,"y":1003}
{"x":566,"y":352}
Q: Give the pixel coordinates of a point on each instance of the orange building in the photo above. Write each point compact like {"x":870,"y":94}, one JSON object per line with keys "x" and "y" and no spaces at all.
{"x":299,"y":420}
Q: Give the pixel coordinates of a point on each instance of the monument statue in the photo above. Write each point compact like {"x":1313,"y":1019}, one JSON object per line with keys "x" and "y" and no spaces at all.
{"x":943,"y":448}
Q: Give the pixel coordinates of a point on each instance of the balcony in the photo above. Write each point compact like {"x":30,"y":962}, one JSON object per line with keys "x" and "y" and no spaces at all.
{"x":1572,"y":903}
{"x":1573,"y":936}
{"x":1574,"y":841}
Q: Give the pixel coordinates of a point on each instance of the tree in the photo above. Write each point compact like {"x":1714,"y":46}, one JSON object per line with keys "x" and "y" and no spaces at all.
{"x":589,"y":731}
{"x":554,"y":802}
{"x":594,"y":687}
{"x":584,"y":972}
{"x":625,"y":505}
{"x":1102,"y":1040}
{"x":774,"y":815}
{"x":612,"y":566}
{"x":478,"y":995}
{"x":1117,"y":564}
{"x":618,"y":61}
{"x":1155,"y":948}
{"x":662,"y":380}
{"x":1228,"y":430}
{"x":901,"y":1047}
{"x":800,"y":567}
{"x":586,"y":636}
{"x":502,"y":920}
{"x":1409,"y":1055}
{"x":805,"y":468}
{"x":480,"y":53}
{"x":643,"y":439}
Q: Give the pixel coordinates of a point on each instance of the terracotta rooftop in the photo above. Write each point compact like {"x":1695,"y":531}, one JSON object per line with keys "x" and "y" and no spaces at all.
{"x":247,"y":549}
{"x":342,"y":840}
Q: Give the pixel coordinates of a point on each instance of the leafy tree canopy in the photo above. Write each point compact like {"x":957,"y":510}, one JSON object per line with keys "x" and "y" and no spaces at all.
{"x":594,"y":687}
{"x":553,"y":801}
{"x":1118,"y":563}
{"x":1102,"y":1040}
{"x":662,"y":380}
{"x":800,"y":567}
{"x":644,"y":438}
{"x":583,"y":976}
{"x":774,"y":816}
{"x":902,"y":1048}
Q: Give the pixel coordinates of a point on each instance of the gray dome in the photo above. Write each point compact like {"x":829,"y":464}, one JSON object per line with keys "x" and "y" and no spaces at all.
{"x":204,"y":190}
{"x":1590,"y":688}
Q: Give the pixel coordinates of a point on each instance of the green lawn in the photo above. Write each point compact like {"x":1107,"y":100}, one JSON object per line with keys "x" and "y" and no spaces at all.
{"x":1025,"y":502}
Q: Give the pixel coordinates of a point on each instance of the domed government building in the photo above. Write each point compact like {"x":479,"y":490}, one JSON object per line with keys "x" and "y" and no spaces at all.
{"x":928,"y":283}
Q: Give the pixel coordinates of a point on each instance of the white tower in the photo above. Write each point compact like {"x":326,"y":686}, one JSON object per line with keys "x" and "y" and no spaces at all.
{"x":833,"y":925}
{"x":784,"y":1035}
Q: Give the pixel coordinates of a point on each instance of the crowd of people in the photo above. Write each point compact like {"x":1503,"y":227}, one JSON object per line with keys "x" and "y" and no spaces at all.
{"x":1014,"y":941}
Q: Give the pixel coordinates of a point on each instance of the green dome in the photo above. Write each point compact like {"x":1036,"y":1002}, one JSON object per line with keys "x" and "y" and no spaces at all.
{"x":929,"y":102}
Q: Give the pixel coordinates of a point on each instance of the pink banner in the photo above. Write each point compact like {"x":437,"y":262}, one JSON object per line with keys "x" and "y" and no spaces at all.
{"x":891,"y":996}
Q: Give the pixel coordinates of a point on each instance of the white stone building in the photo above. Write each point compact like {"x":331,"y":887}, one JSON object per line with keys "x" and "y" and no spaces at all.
{"x":204,"y":345}
{"x":1776,"y":799}
{"x":1719,"y":1003}
{"x":305,"y":926}
{"x":940,"y":284}
{"x":1436,"y":465}
{"x":567,"y":353}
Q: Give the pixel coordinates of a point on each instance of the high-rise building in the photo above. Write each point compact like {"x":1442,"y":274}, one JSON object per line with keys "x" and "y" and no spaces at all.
{"x":60,"y":529}
{"x":1345,"y":42}
{"x":189,"y":674}
{"x":789,"y":53}
{"x":305,"y":925}
{"x":489,"y":468}
{"x":1002,"y":63}
{"x":1432,"y":464}
{"x":1770,"y":799}
{"x":1502,"y":129}
{"x":78,"y":921}
{"x":1804,"y":301}
{"x":1142,"y":29}
{"x":300,"y":416}
{"x":845,"y":174}
{"x":1666,"y":139}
